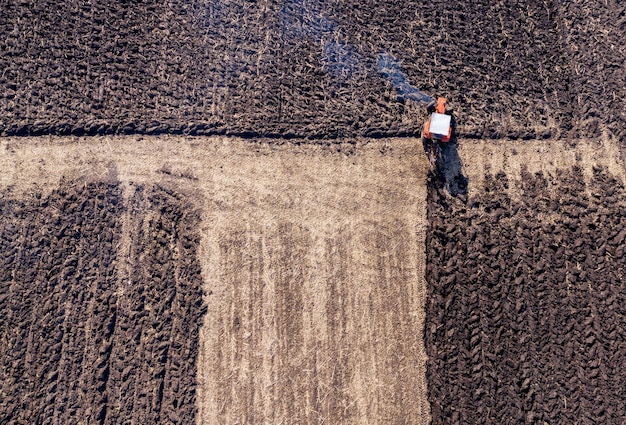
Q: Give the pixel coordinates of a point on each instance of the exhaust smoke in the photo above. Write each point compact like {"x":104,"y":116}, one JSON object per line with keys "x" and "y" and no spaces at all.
{"x":389,"y":67}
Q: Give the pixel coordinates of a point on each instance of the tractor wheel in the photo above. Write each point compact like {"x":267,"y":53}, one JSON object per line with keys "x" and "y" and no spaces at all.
{"x":426,"y":144}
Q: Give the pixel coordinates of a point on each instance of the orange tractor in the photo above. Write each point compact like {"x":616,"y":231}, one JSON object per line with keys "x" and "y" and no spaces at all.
{"x":437,"y":130}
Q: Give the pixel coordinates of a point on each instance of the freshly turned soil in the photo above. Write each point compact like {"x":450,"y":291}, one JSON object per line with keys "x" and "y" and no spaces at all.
{"x":84,"y":338}
{"x":526,"y":301}
{"x":295,"y":68}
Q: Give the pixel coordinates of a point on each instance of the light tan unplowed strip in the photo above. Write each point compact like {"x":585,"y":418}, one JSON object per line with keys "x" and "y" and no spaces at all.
{"x":315,"y":261}
{"x":538,"y":156}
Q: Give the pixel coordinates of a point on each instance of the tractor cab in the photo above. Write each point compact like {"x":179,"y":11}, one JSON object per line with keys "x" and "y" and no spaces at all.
{"x":439,"y":127}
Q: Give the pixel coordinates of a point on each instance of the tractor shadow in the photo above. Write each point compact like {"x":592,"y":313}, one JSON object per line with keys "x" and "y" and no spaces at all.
{"x":451,"y":171}
{"x":451,"y":174}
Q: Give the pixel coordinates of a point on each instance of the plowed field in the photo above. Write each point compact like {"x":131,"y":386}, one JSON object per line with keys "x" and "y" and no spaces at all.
{"x":311,"y":69}
{"x":218,"y":211}
{"x":89,"y":335}
{"x":526,"y":287}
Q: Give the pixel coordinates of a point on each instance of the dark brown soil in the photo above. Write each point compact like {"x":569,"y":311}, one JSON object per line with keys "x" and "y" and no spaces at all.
{"x":312,"y":69}
{"x":80,"y":341}
{"x":527,"y":301}
{"x":594,"y":34}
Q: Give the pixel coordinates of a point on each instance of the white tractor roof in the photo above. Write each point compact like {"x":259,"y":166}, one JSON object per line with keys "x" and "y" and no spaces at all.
{"x":440,"y":123}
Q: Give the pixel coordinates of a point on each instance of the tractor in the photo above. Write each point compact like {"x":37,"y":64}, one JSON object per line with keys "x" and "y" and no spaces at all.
{"x":437,"y":131}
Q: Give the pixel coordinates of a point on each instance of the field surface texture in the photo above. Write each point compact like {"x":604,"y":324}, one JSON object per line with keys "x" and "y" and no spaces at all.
{"x":219,"y":212}
{"x":314,"y":69}
{"x":526,"y":288}
{"x":311,"y":260}
{"x":87,"y":336}
{"x":316,"y":268}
